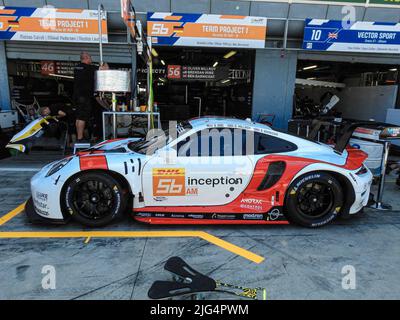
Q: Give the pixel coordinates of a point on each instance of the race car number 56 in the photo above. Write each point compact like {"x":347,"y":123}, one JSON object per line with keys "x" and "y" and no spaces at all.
{"x":169,"y":186}
{"x":168,"y":182}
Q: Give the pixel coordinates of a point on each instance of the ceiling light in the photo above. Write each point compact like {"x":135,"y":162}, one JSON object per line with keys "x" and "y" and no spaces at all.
{"x":154,"y":52}
{"x":230,"y":54}
{"x":162,"y":62}
{"x":225,"y":81}
{"x":215,"y":64}
{"x":310,"y":67}
{"x":394,"y":69}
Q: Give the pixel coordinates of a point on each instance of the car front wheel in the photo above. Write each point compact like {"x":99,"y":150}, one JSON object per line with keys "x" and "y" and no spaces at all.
{"x":314,"y":199}
{"x":94,"y":199}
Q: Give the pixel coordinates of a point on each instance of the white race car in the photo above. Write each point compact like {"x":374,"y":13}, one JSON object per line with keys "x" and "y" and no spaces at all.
{"x":210,"y":171}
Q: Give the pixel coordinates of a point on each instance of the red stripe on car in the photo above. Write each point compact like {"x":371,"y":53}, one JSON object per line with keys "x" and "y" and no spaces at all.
{"x":93,"y":162}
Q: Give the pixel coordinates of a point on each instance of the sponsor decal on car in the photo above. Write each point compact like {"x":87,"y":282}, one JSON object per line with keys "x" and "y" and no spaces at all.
{"x":253,"y":216}
{"x":169,"y":182}
{"x":174,"y":215}
{"x":196,"y":216}
{"x":252,"y":204}
{"x":160,"y":215}
{"x":144,"y":214}
{"x":40,"y":211}
{"x":223,"y":216}
{"x":160,"y":198}
{"x":213,"y":182}
{"x":41,"y":207}
{"x":274,"y":214}
{"x":41,"y":196}
{"x":40,"y":203}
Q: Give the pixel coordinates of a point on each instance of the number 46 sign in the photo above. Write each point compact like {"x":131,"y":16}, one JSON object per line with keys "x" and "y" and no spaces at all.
{"x":47,"y":67}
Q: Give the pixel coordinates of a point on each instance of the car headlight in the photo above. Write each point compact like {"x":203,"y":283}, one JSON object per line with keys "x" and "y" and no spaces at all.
{"x":58,"y":166}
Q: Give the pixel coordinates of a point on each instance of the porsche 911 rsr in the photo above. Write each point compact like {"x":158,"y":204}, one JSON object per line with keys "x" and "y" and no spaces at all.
{"x":204,"y":171}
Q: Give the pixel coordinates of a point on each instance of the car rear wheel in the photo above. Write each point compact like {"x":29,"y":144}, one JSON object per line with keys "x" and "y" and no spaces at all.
{"x":314,"y":199}
{"x":94,"y":199}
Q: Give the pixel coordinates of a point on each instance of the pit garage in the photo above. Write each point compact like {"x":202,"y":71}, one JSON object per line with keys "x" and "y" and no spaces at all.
{"x":192,"y":82}
{"x":363,"y":91}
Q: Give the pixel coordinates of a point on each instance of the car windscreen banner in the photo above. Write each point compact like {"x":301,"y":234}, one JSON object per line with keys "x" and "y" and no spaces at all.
{"x":206,"y":30}
{"x":359,"y":36}
{"x":51,"y":24}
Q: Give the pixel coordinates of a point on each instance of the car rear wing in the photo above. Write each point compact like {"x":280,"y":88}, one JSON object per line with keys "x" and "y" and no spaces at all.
{"x":347,"y":128}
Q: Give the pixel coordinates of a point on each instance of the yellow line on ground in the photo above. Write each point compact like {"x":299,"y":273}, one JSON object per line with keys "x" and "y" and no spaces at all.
{"x":232,"y":248}
{"x":8,"y":216}
{"x":135,"y":234}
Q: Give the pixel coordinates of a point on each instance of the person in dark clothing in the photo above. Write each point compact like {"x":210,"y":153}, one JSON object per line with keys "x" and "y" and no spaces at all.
{"x":84,"y":74}
{"x":58,"y":110}
{"x":61,"y":112}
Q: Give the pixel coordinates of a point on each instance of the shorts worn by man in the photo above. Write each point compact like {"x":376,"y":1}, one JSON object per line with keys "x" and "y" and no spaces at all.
{"x":84,"y":76}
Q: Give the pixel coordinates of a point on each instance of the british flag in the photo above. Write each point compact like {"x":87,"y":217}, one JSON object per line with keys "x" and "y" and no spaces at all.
{"x":332,"y":35}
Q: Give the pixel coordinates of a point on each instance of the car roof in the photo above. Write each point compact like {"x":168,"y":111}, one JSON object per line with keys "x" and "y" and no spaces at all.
{"x":203,"y":121}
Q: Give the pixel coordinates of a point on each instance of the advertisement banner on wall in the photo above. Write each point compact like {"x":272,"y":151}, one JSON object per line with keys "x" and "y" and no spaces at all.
{"x":206,"y":30}
{"x":360,"y":36}
{"x":51,"y":24}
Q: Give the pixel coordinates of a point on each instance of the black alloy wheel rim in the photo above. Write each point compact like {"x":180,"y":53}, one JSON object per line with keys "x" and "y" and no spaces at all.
{"x":315,"y":199}
{"x":93,"y":199}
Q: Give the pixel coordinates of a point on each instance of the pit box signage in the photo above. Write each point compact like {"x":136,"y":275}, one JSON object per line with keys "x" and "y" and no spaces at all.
{"x":174,"y":71}
{"x":359,"y":36}
{"x":206,"y":30}
{"x":51,"y":24}
{"x":197,"y":73}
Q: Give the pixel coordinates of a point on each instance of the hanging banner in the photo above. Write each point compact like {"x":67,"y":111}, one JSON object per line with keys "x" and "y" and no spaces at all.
{"x":206,"y":30}
{"x":360,"y":36}
{"x":51,"y":24}
{"x":128,"y":16}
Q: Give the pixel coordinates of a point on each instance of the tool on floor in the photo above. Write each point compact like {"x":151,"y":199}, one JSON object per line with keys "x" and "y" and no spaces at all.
{"x":188,"y":282}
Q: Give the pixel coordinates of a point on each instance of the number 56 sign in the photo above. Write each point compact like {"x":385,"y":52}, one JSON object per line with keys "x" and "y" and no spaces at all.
{"x":174,"y":72}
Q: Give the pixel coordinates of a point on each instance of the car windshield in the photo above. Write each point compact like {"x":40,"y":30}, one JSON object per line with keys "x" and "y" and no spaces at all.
{"x":154,"y":141}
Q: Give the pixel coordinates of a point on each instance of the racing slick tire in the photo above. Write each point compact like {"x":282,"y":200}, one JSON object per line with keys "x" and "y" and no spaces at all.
{"x":313,"y":200}
{"x":94,"y":199}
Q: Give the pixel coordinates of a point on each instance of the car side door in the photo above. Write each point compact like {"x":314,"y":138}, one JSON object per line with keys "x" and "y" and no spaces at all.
{"x":208,"y":170}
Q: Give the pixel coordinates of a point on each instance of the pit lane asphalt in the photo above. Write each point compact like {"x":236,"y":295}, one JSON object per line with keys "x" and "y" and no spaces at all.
{"x":299,"y":263}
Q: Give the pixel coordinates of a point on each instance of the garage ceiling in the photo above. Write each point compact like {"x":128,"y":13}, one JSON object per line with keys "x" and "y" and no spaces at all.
{"x":279,"y":9}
